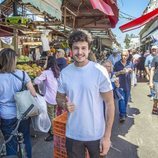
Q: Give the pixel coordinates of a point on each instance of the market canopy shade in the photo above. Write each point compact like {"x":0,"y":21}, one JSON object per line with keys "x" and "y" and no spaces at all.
{"x":109,"y":8}
{"x":91,"y":14}
{"x":51,"y":7}
{"x":136,"y":23}
{"x":7,"y":31}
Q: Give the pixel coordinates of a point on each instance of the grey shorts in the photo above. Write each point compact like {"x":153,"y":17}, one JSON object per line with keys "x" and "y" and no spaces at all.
{"x":77,"y":149}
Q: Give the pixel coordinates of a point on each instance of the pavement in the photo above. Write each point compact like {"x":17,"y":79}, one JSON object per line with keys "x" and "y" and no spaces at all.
{"x":135,"y":138}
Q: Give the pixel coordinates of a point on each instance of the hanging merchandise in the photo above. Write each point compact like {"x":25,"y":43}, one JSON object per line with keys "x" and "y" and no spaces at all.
{"x":45,"y":41}
{"x":7,"y":40}
{"x":65,"y":44}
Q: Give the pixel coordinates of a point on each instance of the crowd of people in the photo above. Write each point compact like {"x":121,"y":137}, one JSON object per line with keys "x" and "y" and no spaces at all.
{"x":88,"y":89}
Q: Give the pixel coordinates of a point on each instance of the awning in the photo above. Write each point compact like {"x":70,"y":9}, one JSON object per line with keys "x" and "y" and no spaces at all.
{"x":114,"y":7}
{"x":136,"y":23}
{"x":154,"y":35}
{"x":52,"y":7}
{"x":102,"y":6}
{"x":7,"y":32}
{"x":108,"y":7}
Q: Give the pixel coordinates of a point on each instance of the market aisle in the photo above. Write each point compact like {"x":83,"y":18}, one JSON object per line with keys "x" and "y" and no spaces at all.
{"x":137,"y":137}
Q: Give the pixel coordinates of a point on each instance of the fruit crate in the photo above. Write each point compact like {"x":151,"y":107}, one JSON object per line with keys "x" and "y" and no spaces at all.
{"x":59,"y":142}
{"x":59,"y":154}
{"x":59,"y":124}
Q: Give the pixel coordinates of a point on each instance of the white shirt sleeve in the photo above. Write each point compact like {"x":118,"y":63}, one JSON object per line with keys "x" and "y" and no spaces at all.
{"x":104,"y":81}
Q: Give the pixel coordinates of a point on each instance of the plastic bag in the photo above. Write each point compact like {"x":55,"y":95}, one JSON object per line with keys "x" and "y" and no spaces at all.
{"x":42,"y":88}
{"x":133,"y":79}
{"x":23,"y":100}
{"x":41,"y":122}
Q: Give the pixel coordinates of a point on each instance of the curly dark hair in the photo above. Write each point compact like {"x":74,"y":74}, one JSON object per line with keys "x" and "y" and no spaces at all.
{"x":80,"y":35}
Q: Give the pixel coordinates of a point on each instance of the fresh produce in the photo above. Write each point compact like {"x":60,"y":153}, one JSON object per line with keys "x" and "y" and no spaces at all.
{"x":23,"y":58}
{"x":33,"y":70}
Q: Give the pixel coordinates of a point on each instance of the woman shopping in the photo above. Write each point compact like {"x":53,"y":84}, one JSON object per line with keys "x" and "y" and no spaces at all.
{"x":9,"y":85}
{"x":49,"y":78}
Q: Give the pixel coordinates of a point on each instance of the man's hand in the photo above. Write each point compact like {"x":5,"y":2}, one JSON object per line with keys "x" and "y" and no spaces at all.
{"x":151,"y":85}
{"x":70,"y":107}
{"x":116,"y":82}
{"x":105,"y":144}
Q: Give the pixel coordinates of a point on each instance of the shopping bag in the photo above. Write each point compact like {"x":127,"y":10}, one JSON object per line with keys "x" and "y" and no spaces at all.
{"x":41,"y":122}
{"x":133,"y":79}
{"x":23,"y":100}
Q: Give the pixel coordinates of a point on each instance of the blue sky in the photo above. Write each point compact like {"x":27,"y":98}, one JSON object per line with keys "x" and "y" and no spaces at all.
{"x":134,"y":8}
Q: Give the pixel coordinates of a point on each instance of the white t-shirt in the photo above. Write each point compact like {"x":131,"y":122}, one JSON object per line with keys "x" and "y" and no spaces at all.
{"x":83,"y":85}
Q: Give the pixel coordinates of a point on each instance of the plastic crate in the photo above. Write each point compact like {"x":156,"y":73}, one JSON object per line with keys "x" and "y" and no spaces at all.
{"x":59,"y":142}
{"x":59,"y":128}
{"x":59,"y":124}
{"x":59,"y":154}
{"x":62,"y":154}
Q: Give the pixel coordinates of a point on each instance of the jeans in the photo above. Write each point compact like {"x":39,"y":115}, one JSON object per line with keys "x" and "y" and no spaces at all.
{"x":7,"y":126}
{"x":123,"y":103}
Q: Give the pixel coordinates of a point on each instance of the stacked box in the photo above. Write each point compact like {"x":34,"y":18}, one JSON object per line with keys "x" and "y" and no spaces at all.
{"x":59,"y":128}
{"x":59,"y":124}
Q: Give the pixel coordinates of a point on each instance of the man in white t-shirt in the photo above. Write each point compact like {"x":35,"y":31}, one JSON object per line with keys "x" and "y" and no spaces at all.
{"x":86,"y":85}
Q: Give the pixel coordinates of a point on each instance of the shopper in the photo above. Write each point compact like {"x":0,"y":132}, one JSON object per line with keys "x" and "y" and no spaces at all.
{"x":61,"y":61}
{"x":148,"y":61}
{"x":115,"y":56}
{"x":154,"y":84}
{"x":9,"y":85}
{"x":49,"y":78}
{"x":123,"y":70}
{"x":118,"y":92}
{"x":86,"y":84}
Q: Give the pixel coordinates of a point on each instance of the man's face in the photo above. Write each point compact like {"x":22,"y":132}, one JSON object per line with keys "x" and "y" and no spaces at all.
{"x":80,"y":52}
{"x":153,"y":51}
{"x":114,"y":53}
{"x":108,"y":66}
{"x":124,"y":56}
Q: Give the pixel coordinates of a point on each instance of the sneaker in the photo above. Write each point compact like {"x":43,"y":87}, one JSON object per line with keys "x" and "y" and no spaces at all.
{"x":122,"y":119}
{"x":49,"y":138}
{"x":151,"y":98}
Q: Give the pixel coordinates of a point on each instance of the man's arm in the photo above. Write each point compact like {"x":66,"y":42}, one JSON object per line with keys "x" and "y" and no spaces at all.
{"x":110,"y":112}
{"x":148,"y":72}
{"x":151,"y":77}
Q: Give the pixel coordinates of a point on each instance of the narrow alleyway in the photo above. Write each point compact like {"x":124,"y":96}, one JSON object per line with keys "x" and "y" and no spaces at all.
{"x":136,"y":138}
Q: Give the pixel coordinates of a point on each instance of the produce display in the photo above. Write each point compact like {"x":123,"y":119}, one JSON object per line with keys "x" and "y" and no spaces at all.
{"x":32,"y":70}
{"x":23,"y":58}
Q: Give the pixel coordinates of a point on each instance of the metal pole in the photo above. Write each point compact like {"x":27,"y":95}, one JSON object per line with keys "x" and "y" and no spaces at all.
{"x":16,"y":40}
{"x":15,"y":8}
